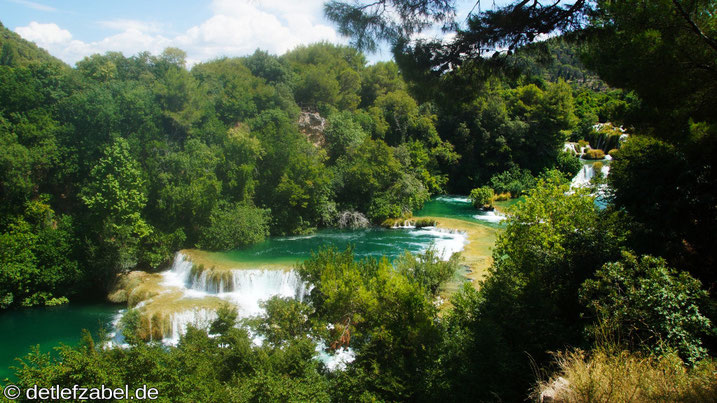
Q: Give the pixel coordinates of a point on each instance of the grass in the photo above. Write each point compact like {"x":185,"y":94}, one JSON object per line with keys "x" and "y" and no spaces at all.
{"x":502,"y":197}
{"x":627,"y":377}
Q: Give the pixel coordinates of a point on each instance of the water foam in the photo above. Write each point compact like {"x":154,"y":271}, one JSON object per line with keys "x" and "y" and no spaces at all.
{"x":490,"y":216}
{"x":447,"y":242}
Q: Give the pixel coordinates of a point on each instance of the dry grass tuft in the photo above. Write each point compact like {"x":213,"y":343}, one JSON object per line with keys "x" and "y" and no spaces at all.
{"x":627,"y":377}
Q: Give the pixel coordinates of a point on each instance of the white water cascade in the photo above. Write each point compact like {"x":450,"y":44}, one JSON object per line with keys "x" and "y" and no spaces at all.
{"x":582,"y":179}
{"x":243,"y":288}
{"x":490,"y":216}
{"x":446,"y":242}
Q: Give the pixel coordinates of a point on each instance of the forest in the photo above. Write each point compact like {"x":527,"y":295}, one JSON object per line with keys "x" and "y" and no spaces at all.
{"x":116,"y":164}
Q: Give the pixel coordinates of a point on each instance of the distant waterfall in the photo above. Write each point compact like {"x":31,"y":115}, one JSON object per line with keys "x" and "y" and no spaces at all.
{"x":261,"y":283}
{"x":587,"y":172}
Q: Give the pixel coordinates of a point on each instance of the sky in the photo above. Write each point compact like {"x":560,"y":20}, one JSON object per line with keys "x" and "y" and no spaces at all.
{"x":74,"y":29}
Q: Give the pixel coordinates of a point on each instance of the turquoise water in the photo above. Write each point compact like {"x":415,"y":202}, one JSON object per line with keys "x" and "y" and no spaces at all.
{"x":47,"y":326}
{"x":461,"y":208}
{"x":375,"y":242}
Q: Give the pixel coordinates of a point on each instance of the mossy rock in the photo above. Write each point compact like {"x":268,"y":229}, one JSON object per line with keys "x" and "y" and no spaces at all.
{"x":594,"y":154}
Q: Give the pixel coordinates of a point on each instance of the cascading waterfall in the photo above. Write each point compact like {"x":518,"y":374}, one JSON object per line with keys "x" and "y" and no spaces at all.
{"x":243,"y":288}
{"x":180,"y":321}
{"x":587,"y":172}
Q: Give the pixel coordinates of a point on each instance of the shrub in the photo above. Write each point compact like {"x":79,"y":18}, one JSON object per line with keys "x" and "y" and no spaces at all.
{"x":594,"y":154}
{"x":568,"y":165}
{"x":424,"y":222}
{"x":649,"y":305}
{"x":515,"y":180}
{"x":482,"y":197}
{"x":502,"y":196}
{"x":613,"y":153}
{"x":582,"y":143}
{"x":428,"y":270}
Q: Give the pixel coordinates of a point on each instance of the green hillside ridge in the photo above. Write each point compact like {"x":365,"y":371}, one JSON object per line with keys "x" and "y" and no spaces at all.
{"x":16,"y":51}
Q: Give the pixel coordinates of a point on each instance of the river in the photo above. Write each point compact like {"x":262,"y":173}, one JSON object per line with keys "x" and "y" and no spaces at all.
{"x":49,"y":326}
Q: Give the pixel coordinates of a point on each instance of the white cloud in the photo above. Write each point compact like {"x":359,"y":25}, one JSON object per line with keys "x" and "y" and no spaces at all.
{"x":35,"y":6}
{"x":44,"y":33}
{"x":236,"y":28}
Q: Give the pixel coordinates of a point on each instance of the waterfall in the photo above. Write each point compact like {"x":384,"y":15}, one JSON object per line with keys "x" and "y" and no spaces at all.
{"x":243,"y":288}
{"x":582,"y":179}
{"x":587,"y":172}
{"x":259,"y":282}
{"x":180,"y":321}
{"x":606,"y":136}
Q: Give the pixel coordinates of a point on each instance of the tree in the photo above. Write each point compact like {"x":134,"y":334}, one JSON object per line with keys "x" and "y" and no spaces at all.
{"x":8,"y":55}
{"x":379,"y":312}
{"x":232,"y":226}
{"x":115,"y":197}
{"x":38,"y":258}
{"x":529,"y":303}
{"x":398,"y":21}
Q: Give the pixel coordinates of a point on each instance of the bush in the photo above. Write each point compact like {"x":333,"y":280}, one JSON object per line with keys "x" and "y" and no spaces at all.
{"x":232,"y":226}
{"x":613,"y":153}
{"x":516,"y":181}
{"x":594,"y":155}
{"x":568,"y":164}
{"x":428,"y":270}
{"x":582,"y":143}
{"x":482,"y":197}
{"x":649,"y":305}
{"x":424,"y":222}
{"x":502,"y":196}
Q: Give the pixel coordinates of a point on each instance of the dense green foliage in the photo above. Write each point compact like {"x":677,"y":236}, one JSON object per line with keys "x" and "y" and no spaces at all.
{"x":657,"y":307}
{"x":514,"y":181}
{"x":137,"y":157}
{"x":234,"y":226}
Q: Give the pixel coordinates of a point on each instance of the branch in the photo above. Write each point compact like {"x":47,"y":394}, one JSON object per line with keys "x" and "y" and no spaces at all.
{"x":711,"y":42}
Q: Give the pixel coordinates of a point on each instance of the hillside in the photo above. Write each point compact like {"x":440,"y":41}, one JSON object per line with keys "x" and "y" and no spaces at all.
{"x":19,"y":52}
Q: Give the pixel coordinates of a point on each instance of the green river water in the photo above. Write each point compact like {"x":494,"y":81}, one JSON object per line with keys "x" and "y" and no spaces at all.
{"x":50,"y":326}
